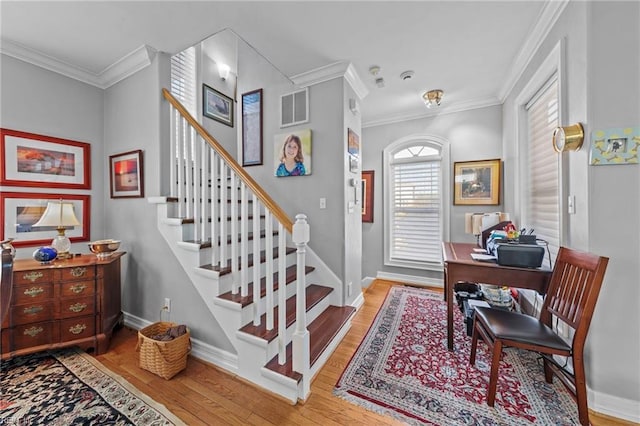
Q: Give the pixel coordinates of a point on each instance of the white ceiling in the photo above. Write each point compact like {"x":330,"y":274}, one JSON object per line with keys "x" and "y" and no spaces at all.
{"x":473,"y":50}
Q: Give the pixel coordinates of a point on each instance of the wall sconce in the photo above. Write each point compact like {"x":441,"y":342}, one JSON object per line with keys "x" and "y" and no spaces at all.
{"x":60,"y":215}
{"x":432,"y":97}
{"x":223,"y":70}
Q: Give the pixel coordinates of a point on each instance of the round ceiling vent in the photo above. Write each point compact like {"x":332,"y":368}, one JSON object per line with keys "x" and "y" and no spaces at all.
{"x":407,"y":75}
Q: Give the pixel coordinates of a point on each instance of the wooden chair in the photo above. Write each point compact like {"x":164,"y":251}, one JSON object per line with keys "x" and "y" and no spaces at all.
{"x":573,"y":291}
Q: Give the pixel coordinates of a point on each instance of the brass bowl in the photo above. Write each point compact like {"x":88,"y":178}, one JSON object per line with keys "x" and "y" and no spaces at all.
{"x":104,"y":248}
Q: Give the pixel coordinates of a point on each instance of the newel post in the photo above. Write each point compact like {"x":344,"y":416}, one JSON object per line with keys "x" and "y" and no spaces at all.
{"x":301,"y":352}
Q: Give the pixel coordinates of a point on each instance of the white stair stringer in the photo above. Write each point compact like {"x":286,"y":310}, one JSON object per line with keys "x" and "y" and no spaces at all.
{"x":252,"y":353}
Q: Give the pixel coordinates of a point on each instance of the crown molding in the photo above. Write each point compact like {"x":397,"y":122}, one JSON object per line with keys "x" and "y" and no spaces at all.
{"x":441,"y":110}
{"x":128,"y":65}
{"x":329,"y":72}
{"x":550,"y":13}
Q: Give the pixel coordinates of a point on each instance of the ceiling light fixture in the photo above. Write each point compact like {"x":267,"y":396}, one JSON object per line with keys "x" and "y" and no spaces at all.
{"x":432,"y":97}
{"x":374,"y":70}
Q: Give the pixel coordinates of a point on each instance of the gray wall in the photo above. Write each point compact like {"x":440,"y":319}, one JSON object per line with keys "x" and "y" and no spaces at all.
{"x":132,"y":121}
{"x":38,"y":101}
{"x":599,"y":36}
{"x":473,"y":135}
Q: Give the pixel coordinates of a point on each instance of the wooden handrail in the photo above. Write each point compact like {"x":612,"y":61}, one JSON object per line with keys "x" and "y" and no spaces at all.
{"x":273,"y":207}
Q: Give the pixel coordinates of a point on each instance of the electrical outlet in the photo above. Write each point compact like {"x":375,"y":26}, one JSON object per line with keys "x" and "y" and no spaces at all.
{"x":167,"y":304}
{"x":349,"y":289}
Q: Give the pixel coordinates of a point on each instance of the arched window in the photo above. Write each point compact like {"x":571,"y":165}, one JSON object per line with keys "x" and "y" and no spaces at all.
{"x":416,"y":201}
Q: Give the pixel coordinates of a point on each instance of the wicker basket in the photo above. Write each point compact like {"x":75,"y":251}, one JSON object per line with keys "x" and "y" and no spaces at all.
{"x":164,"y":358}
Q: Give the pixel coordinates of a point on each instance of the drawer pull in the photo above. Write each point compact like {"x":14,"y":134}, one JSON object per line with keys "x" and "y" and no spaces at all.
{"x":79,"y":271}
{"x":31,"y":310}
{"x":78,"y":288}
{"x":33,"y":291}
{"x":33,"y":331}
{"x":33,"y":276}
{"x":78,"y":307}
{"x":77,"y":329}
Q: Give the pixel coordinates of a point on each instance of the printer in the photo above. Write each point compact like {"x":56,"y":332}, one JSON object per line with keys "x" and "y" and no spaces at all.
{"x":521,"y":253}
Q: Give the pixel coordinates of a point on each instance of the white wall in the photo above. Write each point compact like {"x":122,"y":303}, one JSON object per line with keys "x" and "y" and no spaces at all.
{"x":38,"y":101}
{"x":599,"y":36}
{"x":473,"y":135}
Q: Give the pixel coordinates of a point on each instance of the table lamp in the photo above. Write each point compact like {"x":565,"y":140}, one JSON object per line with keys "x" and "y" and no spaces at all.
{"x":60,"y":215}
{"x":475,"y":223}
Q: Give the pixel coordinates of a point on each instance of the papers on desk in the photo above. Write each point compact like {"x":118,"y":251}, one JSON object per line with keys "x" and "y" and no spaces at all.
{"x":483,"y":257}
{"x":479,"y":250}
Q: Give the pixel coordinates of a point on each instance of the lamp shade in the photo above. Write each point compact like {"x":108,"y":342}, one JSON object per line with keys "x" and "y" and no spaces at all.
{"x":59,"y":214}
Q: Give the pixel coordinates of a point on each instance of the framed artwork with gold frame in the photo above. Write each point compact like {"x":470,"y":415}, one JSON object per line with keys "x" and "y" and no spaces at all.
{"x":477,"y":182}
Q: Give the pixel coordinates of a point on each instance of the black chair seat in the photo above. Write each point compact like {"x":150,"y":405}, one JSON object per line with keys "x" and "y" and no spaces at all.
{"x":522,"y":328}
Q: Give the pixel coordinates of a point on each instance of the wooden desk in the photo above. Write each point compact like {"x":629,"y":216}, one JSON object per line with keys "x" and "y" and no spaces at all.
{"x":459,"y":266}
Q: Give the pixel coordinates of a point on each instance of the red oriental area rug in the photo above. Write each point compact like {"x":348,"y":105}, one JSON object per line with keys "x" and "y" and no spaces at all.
{"x":403,"y":369}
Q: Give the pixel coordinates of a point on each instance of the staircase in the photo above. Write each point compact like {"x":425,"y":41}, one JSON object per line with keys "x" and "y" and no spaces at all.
{"x":277,"y":302}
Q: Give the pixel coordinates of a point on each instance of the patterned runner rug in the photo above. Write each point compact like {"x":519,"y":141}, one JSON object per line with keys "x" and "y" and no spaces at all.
{"x":403,"y":369}
{"x":69,"y":387}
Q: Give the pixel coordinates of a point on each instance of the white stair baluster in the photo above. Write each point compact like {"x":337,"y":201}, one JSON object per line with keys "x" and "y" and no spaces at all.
{"x":256,"y":261}
{"x":268,"y":258}
{"x":244,"y":242}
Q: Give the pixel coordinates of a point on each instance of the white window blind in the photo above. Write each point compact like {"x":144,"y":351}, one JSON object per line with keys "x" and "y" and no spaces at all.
{"x":543,"y":207}
{"x":415,"y":228}
{"x":183,"y":79}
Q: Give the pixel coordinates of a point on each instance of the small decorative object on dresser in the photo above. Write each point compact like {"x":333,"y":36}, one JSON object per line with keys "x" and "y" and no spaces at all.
{"x":45,"y":255}
{"x":75,"y":302}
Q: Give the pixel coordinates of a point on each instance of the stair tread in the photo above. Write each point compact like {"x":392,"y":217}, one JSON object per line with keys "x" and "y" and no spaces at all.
{"x":290,"y":273}
{"x":227,"y":269}
{"x":207,"y":244}
{"x":321,"y":331}
{"x":314,"y":294}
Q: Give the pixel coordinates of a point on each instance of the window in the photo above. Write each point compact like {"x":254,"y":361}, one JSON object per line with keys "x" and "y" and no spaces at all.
{"x":542,"y":202}
{"x":183,"y":79}
{"x":416,"y":196}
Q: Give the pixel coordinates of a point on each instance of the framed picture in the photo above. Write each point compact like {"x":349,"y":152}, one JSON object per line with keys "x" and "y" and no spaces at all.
{"x":353,"y":148}
{"x":292,"y":153}
{"x":252,"y":128}
{"x":43,"y":161}
{"x":20,"y":210}
{"x":367,"y":196}
{"x":615,"y":146}
{"x":126,"y":175}
{"x":217,"y":106}
{"x":477,"y":183}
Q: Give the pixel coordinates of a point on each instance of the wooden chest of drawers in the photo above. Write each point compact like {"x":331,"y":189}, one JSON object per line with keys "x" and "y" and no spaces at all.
{"x":69,"y":302}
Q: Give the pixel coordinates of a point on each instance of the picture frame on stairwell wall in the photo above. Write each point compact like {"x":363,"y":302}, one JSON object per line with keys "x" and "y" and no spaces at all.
{"x":217,"y":106}
{"x":126,"y":175}
{"x":252,"y":128}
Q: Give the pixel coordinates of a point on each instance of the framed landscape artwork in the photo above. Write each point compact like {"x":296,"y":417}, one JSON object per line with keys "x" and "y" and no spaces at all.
{"x":42,"y":161}
{"x":476,"y":183}
{"x":367,"y":196}
{"x":126,"y":175}
{"x":252,"y":128}
{"x":217,"y":106}
{"x":21,"y":210}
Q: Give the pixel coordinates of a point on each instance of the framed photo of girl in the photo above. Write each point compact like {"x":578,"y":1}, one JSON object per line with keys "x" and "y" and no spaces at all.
{"x":292,"y":153}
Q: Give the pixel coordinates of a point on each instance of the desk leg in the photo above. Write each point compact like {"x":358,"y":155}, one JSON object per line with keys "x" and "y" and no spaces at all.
{"x":448,"y":296}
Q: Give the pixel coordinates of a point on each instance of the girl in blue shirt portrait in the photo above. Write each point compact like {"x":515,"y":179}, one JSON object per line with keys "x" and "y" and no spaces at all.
{"x":291,"y":158}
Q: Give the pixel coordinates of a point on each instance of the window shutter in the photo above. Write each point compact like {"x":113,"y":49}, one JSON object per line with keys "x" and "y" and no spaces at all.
{"x":543,"y":209}
{"x":183,"y":79}
{"x":416,"y":211}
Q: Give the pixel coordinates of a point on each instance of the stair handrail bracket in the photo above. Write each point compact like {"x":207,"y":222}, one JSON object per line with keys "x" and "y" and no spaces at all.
{"x":301,"y":339}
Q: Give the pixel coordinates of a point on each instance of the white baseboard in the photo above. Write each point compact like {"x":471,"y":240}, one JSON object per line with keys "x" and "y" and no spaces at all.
{"x":199,"y":349}
{"x":614,"y":406}
{"x":358,"y":301}
{"x":366,"y":282}
{"x":411,"y":279}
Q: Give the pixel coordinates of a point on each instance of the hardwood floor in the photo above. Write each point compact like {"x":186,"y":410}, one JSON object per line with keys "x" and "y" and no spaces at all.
{"x":206,"y":395}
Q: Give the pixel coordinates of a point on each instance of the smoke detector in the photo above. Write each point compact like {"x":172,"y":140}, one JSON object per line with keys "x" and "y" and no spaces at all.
{"x":374,"y":70}
{"x":407,"y":75}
